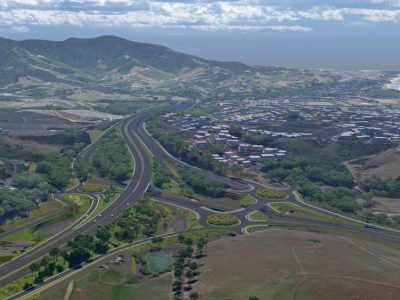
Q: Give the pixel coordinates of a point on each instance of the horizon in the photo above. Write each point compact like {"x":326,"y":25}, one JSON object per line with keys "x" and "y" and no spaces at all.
{"x":310,"y":34}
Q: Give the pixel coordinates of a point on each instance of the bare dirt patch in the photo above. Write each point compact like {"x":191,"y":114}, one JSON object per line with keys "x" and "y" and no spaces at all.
{"x":287,"y":264}
{"x":178,"y":224}
{"x":384,"y":165}
{"x":31,"y":146}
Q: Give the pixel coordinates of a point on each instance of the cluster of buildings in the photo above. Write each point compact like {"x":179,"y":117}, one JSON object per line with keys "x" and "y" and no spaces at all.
{"x":208,"y":132}
{"x":360,"y":119}
{"x":336,"y":119}
{"x":379,"y":126}
{"x":234,"y":151}
{"x":247,"y":154}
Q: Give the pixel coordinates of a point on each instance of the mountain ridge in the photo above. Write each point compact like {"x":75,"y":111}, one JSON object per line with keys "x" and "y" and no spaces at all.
{"x":112,"y":64}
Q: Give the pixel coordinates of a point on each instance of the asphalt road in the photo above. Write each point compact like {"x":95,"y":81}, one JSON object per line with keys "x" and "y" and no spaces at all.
{"x":137,"y":186}
{"x":134,"y":133}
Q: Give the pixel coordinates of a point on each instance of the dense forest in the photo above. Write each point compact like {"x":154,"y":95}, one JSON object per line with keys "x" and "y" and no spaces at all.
{"x":161,"y":174}
{"x":313,"y":164}
{"x":52,"y":174}
{"x":112,"y":158}
{"x":382,"y":187}
{"x":30,"y":189}
{"x":201,"y":184}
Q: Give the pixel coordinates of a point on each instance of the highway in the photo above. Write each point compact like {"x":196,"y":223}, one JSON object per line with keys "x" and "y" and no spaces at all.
{"x":137,"y":187}
{"x":138,"y":139}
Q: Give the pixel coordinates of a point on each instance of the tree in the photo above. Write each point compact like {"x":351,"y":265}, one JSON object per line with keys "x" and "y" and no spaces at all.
{"x":82,"y":241}
{"x":27,"y":285}
{"x":188,"y":242}
{"x":194,"y":296}
{"x":55,"y":252}
{"x":181,"y":238}
{"x":253,"y":298}
{"x":188,"y":251}
{"x":34,"y":267}
{"x":44,"y":261}
{"x":158,"y":240}
{"x":103,"y":234}
{"x":236,"y":169}
{"x":193,"y":266}
{"x":178,"y":285}
{"x":72,"y":209}
{"x":190,"y":275}
{"x":201,"y":243}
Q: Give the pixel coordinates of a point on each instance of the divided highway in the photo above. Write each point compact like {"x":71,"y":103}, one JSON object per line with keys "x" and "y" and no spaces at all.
{"x":137,"y":186}
{"x":138,"y":139}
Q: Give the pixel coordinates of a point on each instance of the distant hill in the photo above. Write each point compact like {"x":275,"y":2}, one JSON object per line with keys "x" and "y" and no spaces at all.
{"x":95,"y":58}
{"x":107,"y":64}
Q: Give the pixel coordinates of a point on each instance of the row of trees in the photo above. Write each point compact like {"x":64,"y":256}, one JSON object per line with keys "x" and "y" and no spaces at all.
{"x":82,"y":170}
{"x":185,"y":269}
{"x":112,"y":158}
{"x":81,"y":249}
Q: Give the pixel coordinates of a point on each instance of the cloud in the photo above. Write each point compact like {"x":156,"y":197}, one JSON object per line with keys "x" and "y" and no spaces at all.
{"x":19,"y":28}
{"x":242,"y":15}
{"x":290,"y":28}
{"x":375,"y":15}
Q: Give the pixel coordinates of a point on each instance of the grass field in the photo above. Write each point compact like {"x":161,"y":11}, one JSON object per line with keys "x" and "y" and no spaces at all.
{"x":90,"y":187}
{"x":44,"y":209}
{"x":177,"y":218}
{"x":273,"y":194}
{"x":94,"y":135}
{"x":384,"y":165}
{"x":299,"y":211}
{"x":222,"y":204}
{"x":73,"y":182}
{"x":15,"y":286}
{"x":82,"y":201}
{"x":109,"y":280}
{"x":247,"y":200}
{"x":257,"y":216}
{"x":288,"y":264}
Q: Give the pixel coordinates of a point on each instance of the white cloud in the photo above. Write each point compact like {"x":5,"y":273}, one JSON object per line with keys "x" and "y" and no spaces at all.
{"x":290,"y":28}
{"x":323,"y":14}
{"x":375,"y":15}
{"x":243,"y":15}
{"x":19,"y":28}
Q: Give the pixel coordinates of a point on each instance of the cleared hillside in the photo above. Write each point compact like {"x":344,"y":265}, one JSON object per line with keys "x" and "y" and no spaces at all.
{"x":287,"y":264}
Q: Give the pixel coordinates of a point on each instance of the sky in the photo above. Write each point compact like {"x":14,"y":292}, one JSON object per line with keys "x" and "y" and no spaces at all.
{"x":340,"y":34}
